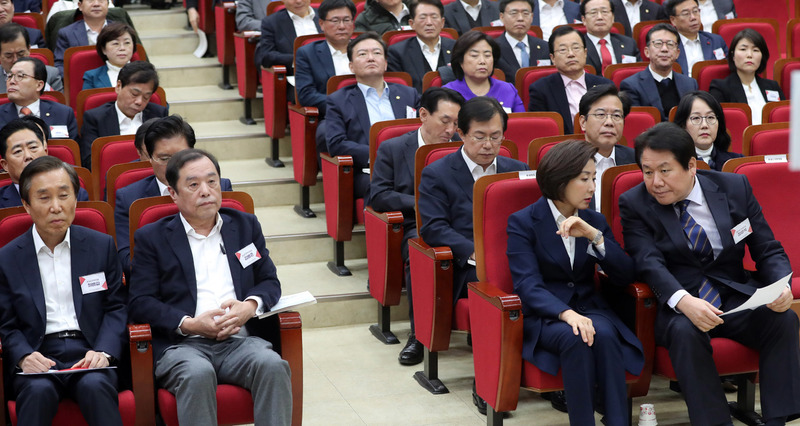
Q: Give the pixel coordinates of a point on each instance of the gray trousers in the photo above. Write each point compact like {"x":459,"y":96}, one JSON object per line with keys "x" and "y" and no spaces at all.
{"x":192,"y":369}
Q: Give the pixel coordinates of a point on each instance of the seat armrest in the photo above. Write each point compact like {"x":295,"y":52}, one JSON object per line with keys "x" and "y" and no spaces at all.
{"x":645,"y":308}
{"x":246,"y":72}
{"x":291,"y":330}
{"x":384,"y":234}
{"x":141,"y":351}
{"x":303,"y":122}
{"x":337,"y":183}
{"x":432,"y":281}
{"x":273,"y":88}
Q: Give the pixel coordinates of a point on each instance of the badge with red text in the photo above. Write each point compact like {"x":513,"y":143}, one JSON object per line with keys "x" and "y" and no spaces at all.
{"x":248,"y":255}
{"x":93,"y":283}
{"x":741,"y":231}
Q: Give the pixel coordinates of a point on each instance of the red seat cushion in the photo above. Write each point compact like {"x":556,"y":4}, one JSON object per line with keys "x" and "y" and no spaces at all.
{"x":736,"y":121}
{"x":779,"y":114}
{"x":70,"y":414}
{"x":730,"y":357}
{"x":521,"y":130}
{"x":712,"y":72}
{"x":635,"y":124}
{"x":234,"y":406}
{"x":770,"y":142}
{"x":461,"y":315}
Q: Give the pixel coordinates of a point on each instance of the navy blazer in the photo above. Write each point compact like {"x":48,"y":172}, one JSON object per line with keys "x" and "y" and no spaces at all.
{"x":97,"y":78}
{"x":22,"y":6}
{"x":547,"y":284}
{"x":549,"y":94}
{"x":9,"y":196}
{"x":53,"y":113}
{"x":730,"y":89}
{"x":407,"y":56}
{"x":508,"y":61}
{"x":445,"y":203}
{"x":37,"y":41}
{"x":709,"y":43}
{"x":392,"y":184}
{"x":163,"y":286}
{"x":72,"y":35}
{"x":125,"y":196}
{"x":648,"y":11}
{"x":718,"y":158}
{"x":642,"y":90}
{"x":103,"y":121}
{"x":347,"y":120}
{"x":655,"y":239}
{"x":456,"y":17}
{"x":314,"y":67}
{"x":623,"y":45}
{"x":276,"y":45}
{"x":572,"y":11}
{"x":102,"y":315}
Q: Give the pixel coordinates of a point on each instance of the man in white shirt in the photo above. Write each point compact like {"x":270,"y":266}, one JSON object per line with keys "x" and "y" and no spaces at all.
{"x":518,"y":49}
{"x":278,"y":31}
{"x":548,"y":14}
{"x":695,"y":45}
{"x":713,"y":10}
{"x":602,"y":47}
{"x":631,"y":12}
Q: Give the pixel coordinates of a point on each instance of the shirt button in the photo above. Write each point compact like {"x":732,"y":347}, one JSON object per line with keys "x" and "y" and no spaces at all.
{"x":570,"y":284}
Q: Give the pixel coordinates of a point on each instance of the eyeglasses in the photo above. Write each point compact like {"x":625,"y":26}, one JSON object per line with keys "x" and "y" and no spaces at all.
{"x":595,"y":12}
{"x":698,"y":119}
{"x":496,"y":139}
{"x":575,"y":48}
{"x":603,"y":116}
{"x":339,"y":21}
{"x":688,"y":13}
{"x":658,"y":44}
{"x":18,"y":76}
{"x":162,"y":159}
{"x":523,"y":13}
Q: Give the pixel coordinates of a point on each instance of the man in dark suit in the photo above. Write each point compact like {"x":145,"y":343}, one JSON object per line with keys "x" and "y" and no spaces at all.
{"x":318,"y":61}
{"x":28,"y":6}
{"x":20,"y":143}
{"x":7,"y":13}
{"x":353,"y":109}
{"x":713,"y":10}
{"x":428,"y":50}
{"x":658,"y":86}
{"x":602,"y":47}
{"x":463,"y":15}
{"x":164,"y":138}
{"x":638,"y":11}
{"x":83,"y":32}
{"x":695,"y":45}
{"x":137,"y":82}
{"x":562,"y":91}
{"x":15,"y":44}
{"x":61,"y":303}
{"x":687,"y":229}
{"x":518,"y":49}
{"x":24,"y":91}
{"x":278,"y":31}
{"x":199,"y":279}
{"x":549,"y":14}
{"x":392,"y":185}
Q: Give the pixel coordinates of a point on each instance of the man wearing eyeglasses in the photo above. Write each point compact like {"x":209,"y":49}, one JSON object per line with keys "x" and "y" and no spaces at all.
{"x":7,"y":10}
{"x":518,"y":49}
{"x":658,"y":86}
{"x":26,"y":83}
{"x":427,"y":51}
{"x":464,"y":15}
{"x":695,"y":45}
{"x":631,"y":12}
{"x":15,"y":43}
{"x":603,"y":47}
{"x":278,"y":31}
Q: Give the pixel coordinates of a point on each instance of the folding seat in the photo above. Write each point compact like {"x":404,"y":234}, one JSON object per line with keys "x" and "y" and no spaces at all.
{"x":766,"y":139}
{"x":225,"y":23}
{"x":783,"y":73}
{"x":705,"y":71}
{"x":640,"y":33}
{"x":780,"y":10}
{"x":496,"y":312}
{"x":43,"y":54}
{"x":67,"y":150}
{"x":433,"y":79}
{"x":529,"y":75}
{"x":767,"y":27}
{"x":497,"y":31}
{"x":106,"y":152}
{"x":392,"y":37}
{"x":29,"y":20}
{"x":246,"y":72}
{"x":539,"y":147}
{"x":122,"y":175}
{"x":524,"y":126}
{"x":776,"y":112}
{"x":738,"y":117}
{"x":93,"y":98}
{"x":792,"y":39}
{"x":205,"y":8}
{"x":78,"y":60}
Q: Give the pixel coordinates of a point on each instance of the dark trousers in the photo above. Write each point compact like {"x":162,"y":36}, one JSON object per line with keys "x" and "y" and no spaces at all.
{"x":409,"y":232}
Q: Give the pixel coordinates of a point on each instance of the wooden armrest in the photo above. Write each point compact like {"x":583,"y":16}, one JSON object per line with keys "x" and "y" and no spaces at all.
{"x":435,"y":253}
{"x":304,"y":110}
{"x":229,"y":6}
{"x":640,"y":291}
{"x":290,"y":320}
{"x":339,"y":160}
{"x":291,"y":332}
{"x":139,"y":332}
{"x":251,"y":36}
{"x":141,"y":352}
{"x":498,"y":298}
{"x":390,"y":218}
{"x":275,"y":69}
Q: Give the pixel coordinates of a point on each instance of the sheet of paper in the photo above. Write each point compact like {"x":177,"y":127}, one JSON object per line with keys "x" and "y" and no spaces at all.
{"x":290,"y":79}
{"x":763,"y":295}
{"x":66,"y":371}
{"x":291,"y":302}
{"x":202,"y":44}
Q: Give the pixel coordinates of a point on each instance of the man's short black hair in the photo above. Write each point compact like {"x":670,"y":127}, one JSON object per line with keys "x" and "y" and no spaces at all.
{"x":39,"y":70}
{"x":562,"y":31}
{"x":431,"y":98}
{"x":601,"y":91}
{"x":11,"y":32}
{"x":412,"y":8}
{"x":138,"y":140}
{"x":165,"y":128}
{"x":113,"y":31}
{"x":684,"y":110}
{"x":562,"y":163}
{"x":480,"y":109}
{"x":503,"y":3}
{"x":662,"y":26}
{"x":462,"y":46}
{"x":758,"y":41}
{"x":180,"y":158}
{"x":671,"y":5}
{"x":15,"y":126}
{"x":328,"y":5}
{"x":43,"y":165}
{"x":583,"y":6}
{"x":666,"y":136}
{"x":369,"y":35}
{"x":138,"y":72}
{"x":43,"y":130}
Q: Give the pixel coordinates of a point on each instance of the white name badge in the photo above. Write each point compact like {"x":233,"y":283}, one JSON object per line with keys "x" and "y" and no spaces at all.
{"x":93,"y":283}
{"x":405,"y":27}
{"x":627,"y":59}
{"x":507,"y":110}
{"x":59,"y":132}
{"x":719,"y":53}
{"x":543,"y":62}
{"x":577,"y":21}
{"x":776,"y":158}
{"x":772,"y":95}
{"x":248,"y":255}
{"x":730,"y":15}
{"x":527,"y":174}
{"x":496,"y":23}
{"x":741,"y":231}
{"x":411,"y":112}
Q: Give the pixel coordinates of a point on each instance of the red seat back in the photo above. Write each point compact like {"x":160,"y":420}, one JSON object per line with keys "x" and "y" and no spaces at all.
{"x":640,"y":34}
{"x":524,"y":126}
{"x":776,"y":112}
{"x":705,"y":71}
{"x":78,"y":60}
{"x":385,"y":130}
{"x":122,"y":175}
{"x":766,"y":139}
{"x":639,"y":120}
{"x":783,"y":74}
{"x":767,"y":27}
{"x":527,"y":76}
{"x":66,"y":150}
{"x":619,"y":72}
{"x":737,"y":118}
{"x":225,"y":23}
{"x":96,"y":215}
{"x":617,"y":180}
{"x":793,"y":38}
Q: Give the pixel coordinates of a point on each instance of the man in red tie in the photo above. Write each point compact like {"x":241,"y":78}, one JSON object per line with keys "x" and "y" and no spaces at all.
{"x":602,"y":47}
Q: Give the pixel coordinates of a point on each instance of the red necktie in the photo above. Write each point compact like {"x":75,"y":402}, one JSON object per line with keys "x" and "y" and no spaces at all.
{"x":605,"y":54}
{"x":25,"y":111}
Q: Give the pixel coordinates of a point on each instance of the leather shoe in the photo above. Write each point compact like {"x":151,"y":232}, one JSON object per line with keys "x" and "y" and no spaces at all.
{"x":412,"y":353}
{"x":559,"y":401}
{"x":478,"y":401}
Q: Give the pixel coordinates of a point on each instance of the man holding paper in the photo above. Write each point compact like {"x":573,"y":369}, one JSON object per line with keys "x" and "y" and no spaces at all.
{"x":200,"y":278}
{"x":687,"y":230}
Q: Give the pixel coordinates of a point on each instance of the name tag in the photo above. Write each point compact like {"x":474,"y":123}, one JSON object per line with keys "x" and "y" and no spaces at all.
{"x":507,"y":110}
{"x":496,"y":23}
{"x":527,"y":174}
{"x":248,"y":255}
{"x":411,"y":112}
{"x":405,"y":27}
{"x":719,"y":53}
{"x":59,"y":132}
{"x":627,"y":59}
{"x":741,"y":231}
{"x":772,"y":95}
{"x":730,"y":15}
{"x":93,"y":283}
{"x":777,"y":158}
{"x":577,"y":21}
{"x":543,"y":62}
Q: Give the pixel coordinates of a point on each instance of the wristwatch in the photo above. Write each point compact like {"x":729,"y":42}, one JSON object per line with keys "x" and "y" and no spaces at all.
{"x":597,"y":238}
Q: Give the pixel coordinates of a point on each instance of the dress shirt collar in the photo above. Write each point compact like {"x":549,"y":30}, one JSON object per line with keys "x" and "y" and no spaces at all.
{"x":696,"y":195}
{"x":309,"y":16}
{"x":38,"y":243}
{"x":403,"y":13}
{"x":427,"y":49}
{"x":513,"y":42}
{"x":557,"y":5}
{"x":580,"y":80}
{"x":632,"y":3}
{"x":556,"y":213}
{"x":472,"y":9}
{"x":190,"y":232}
{"x":658,"y":77}
{"x":162,"y":189}
{"x":420,"y":141}
{"x":472,"y":166}
{"x":599,"y":157}
{"x":89,"y":29}
{"x":35,"y":108}
{"x":596,"y":40}
{"x":365,"y":90}
{"x":334,"y":51}
{"x":122,"y":117}
{"x":686,"y":41}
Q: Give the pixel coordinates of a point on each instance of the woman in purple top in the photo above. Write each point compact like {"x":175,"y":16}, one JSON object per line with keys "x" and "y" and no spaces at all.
{"x":473,"y":59}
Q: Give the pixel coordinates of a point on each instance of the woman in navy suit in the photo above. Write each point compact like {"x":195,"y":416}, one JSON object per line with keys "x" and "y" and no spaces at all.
{"x":554,"y":247}
{"x":116,"y":45}
{"x":702,"y":117}
{"x":747,"y":57}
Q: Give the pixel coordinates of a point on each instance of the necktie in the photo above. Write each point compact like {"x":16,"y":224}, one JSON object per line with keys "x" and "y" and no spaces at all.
{"x":524,"y":57}
{"x":666,"y":82}
{"x":605,"y":54}
{"x":701,"y":247}
{"x":25,"y":111}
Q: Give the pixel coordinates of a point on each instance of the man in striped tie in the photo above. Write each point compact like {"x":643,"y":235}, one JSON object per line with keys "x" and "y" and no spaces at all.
{"x":677,"y":226}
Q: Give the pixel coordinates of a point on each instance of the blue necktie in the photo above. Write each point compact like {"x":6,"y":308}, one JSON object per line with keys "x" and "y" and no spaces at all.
{"x":526,"y":59}
{"x":701,"y":247}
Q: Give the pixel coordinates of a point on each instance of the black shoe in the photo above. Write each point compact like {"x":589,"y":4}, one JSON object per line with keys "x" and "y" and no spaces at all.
{"x":674,"y":386}
{"x":729,"y":384}
{"x":559,"y":401}
{"x":412,"y":353}
{"x":478,"y":401}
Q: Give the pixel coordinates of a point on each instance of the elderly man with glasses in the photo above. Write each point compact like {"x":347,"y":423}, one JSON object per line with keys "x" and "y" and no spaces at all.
{"x":603,"y":47}
{"x":695,"y":45}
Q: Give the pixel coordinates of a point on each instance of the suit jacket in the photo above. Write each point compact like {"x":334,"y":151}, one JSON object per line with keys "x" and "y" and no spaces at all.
{"x":572,"y":11}
{"x":445,"y":203}
{"x":547,"y":284}
{"x":102,"y":315}
{"x":36,"y":38}
{"x":96,"y":78}
{"x":622,"y":155}
{"x":54,"y":80}
{"x":456,"y":17}
{"x":9,"y":196}
{"x":125,"y":196}
{"x":276,"y":45}
{"x":376,"y":18}
{"x":642,"y":89}
{"x":718,"y":158}
{"x":508,"y":61}
{"x":623,"y":45}
{"x":250,"y":13}
{"x":549,"y":94}
{"x":648,"y":11}
{"x":407,"y":56}
{"x":723,"y":8}
{"x":708,"y":42}
{"x":655,"y":239}
{"x":164,"y":286}
{"x":730,"y":89}
{"x":53,"y":113}
{"x":314,"y":67}
{"x":21,"y":6}
{"x":103,"y":121}
{"x":392,"y":184}
{"x":70,"y":36}
{"x":347,"y":120}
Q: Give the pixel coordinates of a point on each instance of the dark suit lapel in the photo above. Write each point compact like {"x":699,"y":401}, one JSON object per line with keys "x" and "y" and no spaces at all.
{"x":230,"y":238}
{"x":535,"y":11}
{"x":483,"y":16}
{"x":286,"y":25}
{"x":29,"y":272}
{"x":592,"y":58}
{"x":79,"y":253}
{"x":180,"y":246}
{"x":410,"y":151}
{"x":324,"y":56}
{"x":545,"y":226}
{"x":622,"y":17}
{"x":112,"y":123}
{"x":705,"y":43}
{"x":619,"y":48}
{"x":446,"y":52}
{"x":397,"y":101}
{"x":461,"y":17}
{"x":682,"y":59}
{"x":581,"y":245}
{"x":669,"y":220}
{"x":559,"y":94}
{"x":416,"y":58}
{"x":462,"y":174}
{"x":651,"y":90}
{"x":359,"y":103}
{"x":718,"y":204}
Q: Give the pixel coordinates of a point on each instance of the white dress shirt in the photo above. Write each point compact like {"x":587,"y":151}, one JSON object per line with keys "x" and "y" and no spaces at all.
{"x":708,"y":14}
{"x":92,"y":35}
{"x":694,"y":52}
{"x":55,"y":271}
{"x":551,"y":17}
{"x":476,"y":169}
{"x":403,"y":13}
{"x":755,"y":100}
{"x":420,"y":141}
{"x":602,"y":164}
{"x":515,"y":48}
{"x":304,"y":25}
{"x":473,"y":11}
{"x":341,"y":64}
{"x":35,"y":108}
{"x":432,"y":56}
{"x":162,"y":189}
{"x":596,"y":44}
{"x":113,"y":73}
{"x":128,"y":126}
{"x":379,"y":106}
{"x":633,"y":12}
{"x":658,"y":77}
{"x":569,"y":242}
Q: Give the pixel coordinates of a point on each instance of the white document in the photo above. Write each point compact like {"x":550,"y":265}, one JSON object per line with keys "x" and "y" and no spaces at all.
{"x":291,"y":302}
{"x":66,"y":371}
{"x":202,"y":44}
{"x":763,"y":295}
{"x":290,"y":79}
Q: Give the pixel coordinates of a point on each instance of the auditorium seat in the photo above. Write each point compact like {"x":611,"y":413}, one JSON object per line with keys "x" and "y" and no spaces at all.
{"x":93,"y":98}
{"x":776,"y":112}
{"x":246,"y":71}
{"x":738,"y":117}
{"x":524,"y":126}
{"x":766,"y":139}
{"x":78,"y":60}
{"x":783,"y":74}
{"x":225,"y":22}
{"x":705,"y":71}
{"x":640,"y":34}
{"x":122,"y":175}
{"x":539,"y":147}
{"x":106,"y":152}
{"x":66,"y":150}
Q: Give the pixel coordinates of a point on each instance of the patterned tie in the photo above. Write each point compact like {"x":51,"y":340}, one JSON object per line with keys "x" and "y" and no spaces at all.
{"x":25,"y":111}
{"x":605,"y":54}
{"x":524,"y":57}
{"x":701,"y":247}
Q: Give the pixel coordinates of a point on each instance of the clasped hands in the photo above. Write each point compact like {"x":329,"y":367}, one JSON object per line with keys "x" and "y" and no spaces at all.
{"x":705,"y":316}
{"x":35,"y":362}
{"x":219,"y":324}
